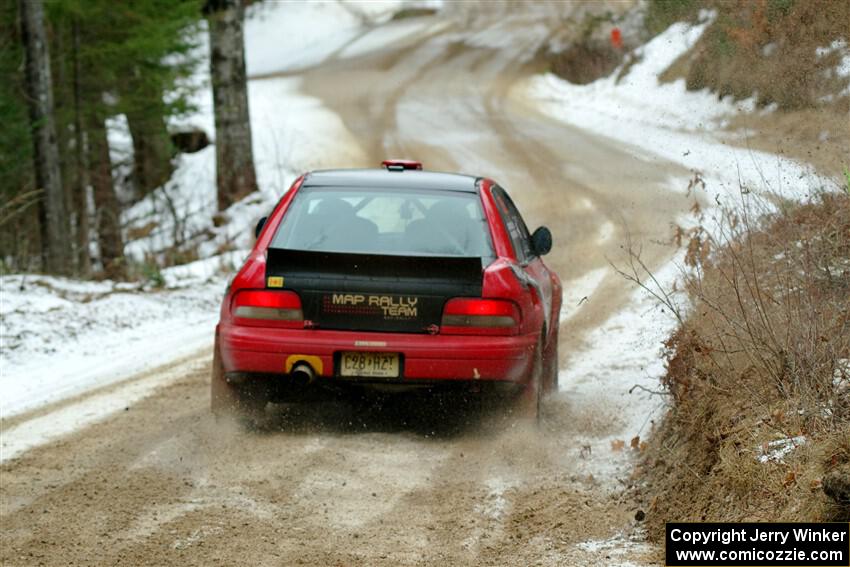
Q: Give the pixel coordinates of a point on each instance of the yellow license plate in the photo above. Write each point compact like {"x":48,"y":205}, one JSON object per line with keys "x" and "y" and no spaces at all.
{"x":369,"y":364}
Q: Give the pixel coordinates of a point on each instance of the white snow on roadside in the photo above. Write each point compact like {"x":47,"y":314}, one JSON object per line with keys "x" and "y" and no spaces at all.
{"x":618,"y":369}
{"x":61,"y":337}
{"x":841,"y":374}
{"x":842,"y":69}
{"x":665,"y":121}
{"x":203,"y":271}
{"x":622,"y":359}
{"x":401,"y":33}
{"x":284,"y":36}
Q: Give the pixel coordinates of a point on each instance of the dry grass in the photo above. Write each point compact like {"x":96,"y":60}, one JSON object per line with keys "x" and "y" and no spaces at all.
{"x":768,"y":48}
{"x":761,"y":356}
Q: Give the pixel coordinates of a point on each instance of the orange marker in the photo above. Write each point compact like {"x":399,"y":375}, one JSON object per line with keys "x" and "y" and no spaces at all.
{"x":616,"y":38}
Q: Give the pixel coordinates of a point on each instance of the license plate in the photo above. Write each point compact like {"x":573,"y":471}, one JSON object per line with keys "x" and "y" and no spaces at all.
{"x":369,"y":364}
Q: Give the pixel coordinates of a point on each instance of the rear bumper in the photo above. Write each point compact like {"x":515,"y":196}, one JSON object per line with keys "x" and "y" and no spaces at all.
{"x":425,"y":358}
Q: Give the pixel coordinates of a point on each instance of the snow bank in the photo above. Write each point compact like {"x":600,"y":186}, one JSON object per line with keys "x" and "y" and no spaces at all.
{"x":842,"y":69}
{"x":665,"y":121}
{"x":62,"y":337}
{"x":618,"y":369}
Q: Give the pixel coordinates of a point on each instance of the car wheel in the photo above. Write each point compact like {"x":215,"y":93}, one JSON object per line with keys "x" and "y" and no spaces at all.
{"x":529,"y":399}
{"x":223,"y":397}
{"x":227,"y":400}
{"x":550,"y":364}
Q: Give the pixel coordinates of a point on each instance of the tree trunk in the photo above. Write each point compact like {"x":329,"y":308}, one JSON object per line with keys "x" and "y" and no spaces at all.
{"x":152,"y":150}
{"x":81,"y":162}
{"x":61,"y":113}
{"x":108,"y":217}
{"x":56,"y":244}
{"x":234,"y":156}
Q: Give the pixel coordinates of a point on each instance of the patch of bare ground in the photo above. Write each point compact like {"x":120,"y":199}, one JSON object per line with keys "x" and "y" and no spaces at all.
{"x":584,"y":61}
{"x":584,"y":51}
{"x":758,"y":374}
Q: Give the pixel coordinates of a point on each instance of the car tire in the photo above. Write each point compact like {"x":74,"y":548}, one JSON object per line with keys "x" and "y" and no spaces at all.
{"x":531,"y":395}
{"x":223,"y":397}
{"x":227,"y":400}
{"x":550,"y":365}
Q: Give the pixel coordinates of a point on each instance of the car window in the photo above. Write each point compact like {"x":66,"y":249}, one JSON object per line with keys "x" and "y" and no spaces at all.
{"x":385,"y":221}
{"x":514,"y":224}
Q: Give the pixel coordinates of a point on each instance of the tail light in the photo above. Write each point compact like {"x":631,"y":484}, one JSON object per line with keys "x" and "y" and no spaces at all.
{"x":268,"y":308}
{"x":467,"y":316}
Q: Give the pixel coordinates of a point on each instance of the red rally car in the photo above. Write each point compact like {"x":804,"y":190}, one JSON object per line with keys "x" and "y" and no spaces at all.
{"x":390,"y":278}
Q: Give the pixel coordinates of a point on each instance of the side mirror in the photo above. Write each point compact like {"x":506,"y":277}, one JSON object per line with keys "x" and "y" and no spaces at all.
{"x":260,"y":224}
{"x":541,"y":241}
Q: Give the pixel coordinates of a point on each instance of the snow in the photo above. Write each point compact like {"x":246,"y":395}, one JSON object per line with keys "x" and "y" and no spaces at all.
{"x":837,"y":46}
{"x":120,"y":152}
{"x":664,"y":121}
{"x":203,"y":271}
{"x":842,"y":69}
{"x":841,"y":374}
{"x":61,"y":338}
{"x":288,"y":36}
{"x":618,"y":369}
{"x":616,"y":548}
{"x":284,"y":36}
{"x":777,"y":450}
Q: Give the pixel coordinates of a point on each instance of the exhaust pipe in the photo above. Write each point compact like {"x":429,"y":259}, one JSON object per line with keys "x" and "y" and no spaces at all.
{"x":302,"y":374}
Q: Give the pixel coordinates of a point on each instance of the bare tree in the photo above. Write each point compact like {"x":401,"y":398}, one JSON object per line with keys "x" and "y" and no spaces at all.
{"x":108,"y":219}
{"x":53,"y":216}
{"x":234,"y":155}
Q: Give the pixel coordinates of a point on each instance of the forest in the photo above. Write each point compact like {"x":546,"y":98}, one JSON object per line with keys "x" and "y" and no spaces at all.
{"x":71,"y":69}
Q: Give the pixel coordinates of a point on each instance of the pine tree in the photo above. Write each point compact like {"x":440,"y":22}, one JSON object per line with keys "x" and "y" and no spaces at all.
{"x":19,"y":230}
{"x":122,"y":63}
{"x":107,"y":58}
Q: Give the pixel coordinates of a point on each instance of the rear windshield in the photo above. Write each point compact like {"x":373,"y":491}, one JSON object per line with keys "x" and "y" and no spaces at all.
{"x":385,"y":221}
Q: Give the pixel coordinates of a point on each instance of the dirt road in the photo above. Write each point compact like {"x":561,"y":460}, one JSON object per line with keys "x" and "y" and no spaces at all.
{"x":337,"y":484}
{"x":366,"y":483}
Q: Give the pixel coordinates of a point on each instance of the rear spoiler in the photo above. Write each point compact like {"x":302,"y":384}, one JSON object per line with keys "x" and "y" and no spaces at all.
{"x":342,"y":271}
